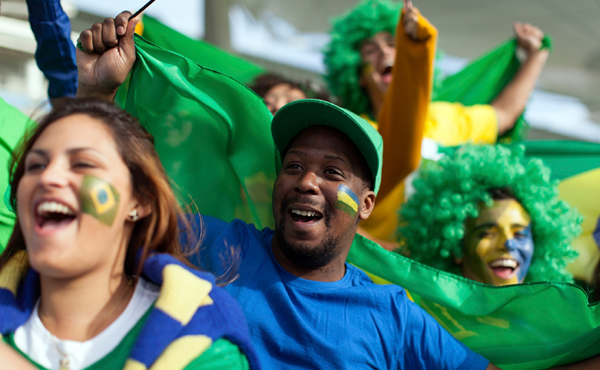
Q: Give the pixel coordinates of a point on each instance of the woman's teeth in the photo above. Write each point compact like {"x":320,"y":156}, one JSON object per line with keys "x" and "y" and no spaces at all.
{"x":45,"y":208}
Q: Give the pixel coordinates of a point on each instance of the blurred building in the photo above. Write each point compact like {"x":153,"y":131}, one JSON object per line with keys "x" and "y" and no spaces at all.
{"x":287,"y":37}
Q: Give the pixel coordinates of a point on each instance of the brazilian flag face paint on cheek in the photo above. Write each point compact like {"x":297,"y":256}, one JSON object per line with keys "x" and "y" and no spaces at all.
{"x":99,"y":199}
{"x":347,"y":201}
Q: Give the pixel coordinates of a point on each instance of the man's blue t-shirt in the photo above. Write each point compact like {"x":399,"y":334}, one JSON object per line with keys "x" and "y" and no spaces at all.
{"x":348,"y":324}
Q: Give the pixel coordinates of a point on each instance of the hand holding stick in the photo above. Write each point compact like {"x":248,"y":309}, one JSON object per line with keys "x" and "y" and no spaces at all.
{"x":106,"y":54}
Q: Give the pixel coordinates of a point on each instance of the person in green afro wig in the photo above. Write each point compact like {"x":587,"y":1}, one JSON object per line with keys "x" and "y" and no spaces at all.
{"x":381,"y":68}
{"x":490,"y":215}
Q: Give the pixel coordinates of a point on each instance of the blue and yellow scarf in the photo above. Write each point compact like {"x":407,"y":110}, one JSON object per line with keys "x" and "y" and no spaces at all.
{"x":190,"y":314}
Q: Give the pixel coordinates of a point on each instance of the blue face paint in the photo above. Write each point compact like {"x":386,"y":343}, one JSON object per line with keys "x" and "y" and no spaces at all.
{"x":521,"y":249}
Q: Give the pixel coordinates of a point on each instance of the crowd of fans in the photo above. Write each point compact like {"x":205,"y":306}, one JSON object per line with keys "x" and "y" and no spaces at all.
{"x":102,"y":268}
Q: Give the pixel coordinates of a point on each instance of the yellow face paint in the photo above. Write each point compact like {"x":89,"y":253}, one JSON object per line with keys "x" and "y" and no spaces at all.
{"x":367,"y":69}
{"x":99,"y":199}
{"x":498,"y":244}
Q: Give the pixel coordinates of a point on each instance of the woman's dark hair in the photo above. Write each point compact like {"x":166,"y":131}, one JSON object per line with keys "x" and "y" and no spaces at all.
{"x":504,"y":193}
{"x":159,"y":231}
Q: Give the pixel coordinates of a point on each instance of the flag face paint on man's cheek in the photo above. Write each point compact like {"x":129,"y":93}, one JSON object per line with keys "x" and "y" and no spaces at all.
{"x":99,"y":199}
{"x":347,"y":201}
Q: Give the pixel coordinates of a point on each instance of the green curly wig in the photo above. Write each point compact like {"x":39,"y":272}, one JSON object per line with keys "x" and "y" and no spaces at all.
{"x":342,"y":55}
{"x":451,"y":191}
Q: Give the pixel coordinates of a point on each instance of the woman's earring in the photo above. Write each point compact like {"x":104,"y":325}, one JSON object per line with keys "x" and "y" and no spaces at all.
{"x":133,"y":215}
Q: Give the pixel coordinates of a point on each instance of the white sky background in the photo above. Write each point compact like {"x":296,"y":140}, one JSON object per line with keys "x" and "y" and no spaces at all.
{"x":186,"y":16}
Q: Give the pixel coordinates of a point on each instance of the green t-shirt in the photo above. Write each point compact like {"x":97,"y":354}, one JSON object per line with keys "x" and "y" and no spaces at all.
{"x":13,"y":124}
{"x":221,"y":355}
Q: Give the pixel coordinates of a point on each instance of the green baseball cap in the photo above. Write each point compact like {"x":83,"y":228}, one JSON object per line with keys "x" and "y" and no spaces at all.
{"x":299,"y":115}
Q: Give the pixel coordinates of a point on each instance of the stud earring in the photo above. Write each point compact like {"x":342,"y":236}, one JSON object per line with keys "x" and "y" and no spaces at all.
{"x":133,"y":215}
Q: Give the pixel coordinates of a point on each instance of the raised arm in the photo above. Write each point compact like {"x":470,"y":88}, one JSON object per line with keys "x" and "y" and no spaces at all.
{"x":402,"y":116}
{"x":510,"y":103}
{"x":55,"y":53}
{"x":106,"y":56}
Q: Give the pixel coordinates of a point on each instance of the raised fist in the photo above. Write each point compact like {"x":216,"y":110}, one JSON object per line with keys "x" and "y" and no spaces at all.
{"x":411,"y":19}
{"x":528,"y":37}
{"x":107,"y":57}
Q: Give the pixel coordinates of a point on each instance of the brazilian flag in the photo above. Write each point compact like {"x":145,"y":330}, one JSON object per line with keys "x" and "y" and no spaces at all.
{"x":577,"y":166}
{"x":99,"y":199}
{"x":526,"y":326}
{"x":213,"y":136}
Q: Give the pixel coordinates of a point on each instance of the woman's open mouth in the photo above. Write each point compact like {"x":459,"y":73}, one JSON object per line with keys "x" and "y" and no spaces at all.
{"x":52,"y":215}
{"x":504,"y":268}
{"x":386,"y":75}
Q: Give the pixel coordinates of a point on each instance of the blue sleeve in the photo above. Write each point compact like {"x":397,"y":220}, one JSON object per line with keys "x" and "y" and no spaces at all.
{"x":429,"y":346}
{"x":55,"y":53}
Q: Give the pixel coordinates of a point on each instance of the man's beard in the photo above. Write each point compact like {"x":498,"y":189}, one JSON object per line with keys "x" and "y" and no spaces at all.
{"x":301,"y":254}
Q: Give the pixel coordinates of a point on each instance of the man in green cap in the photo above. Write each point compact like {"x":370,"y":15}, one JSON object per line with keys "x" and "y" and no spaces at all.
{"x":306,"y":307}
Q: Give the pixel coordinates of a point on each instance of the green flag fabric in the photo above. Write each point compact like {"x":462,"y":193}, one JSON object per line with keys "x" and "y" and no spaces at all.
{"x":565,"y":158}
{"x":211,"y":132}
{"x":525,"y":326}
{"x":482,"y":80}
{"x":13,"y":125}
{"x":203,"y":53}
{"x":213,"y":136}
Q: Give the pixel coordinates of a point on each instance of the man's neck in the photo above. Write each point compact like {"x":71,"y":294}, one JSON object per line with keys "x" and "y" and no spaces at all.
{"x":333,"y":271}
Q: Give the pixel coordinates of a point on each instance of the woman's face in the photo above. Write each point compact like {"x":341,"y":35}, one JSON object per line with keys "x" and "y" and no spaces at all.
{"x":74,"y":198}
{"x":498,"y":245}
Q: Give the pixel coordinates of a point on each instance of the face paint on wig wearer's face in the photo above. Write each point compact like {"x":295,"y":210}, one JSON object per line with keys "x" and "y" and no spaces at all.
{"x":521,"y":247}
{"x":498,"y":245}
{"x":99,"y":199}
{"x":347,"y":201}
{"x":377,"y":57}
